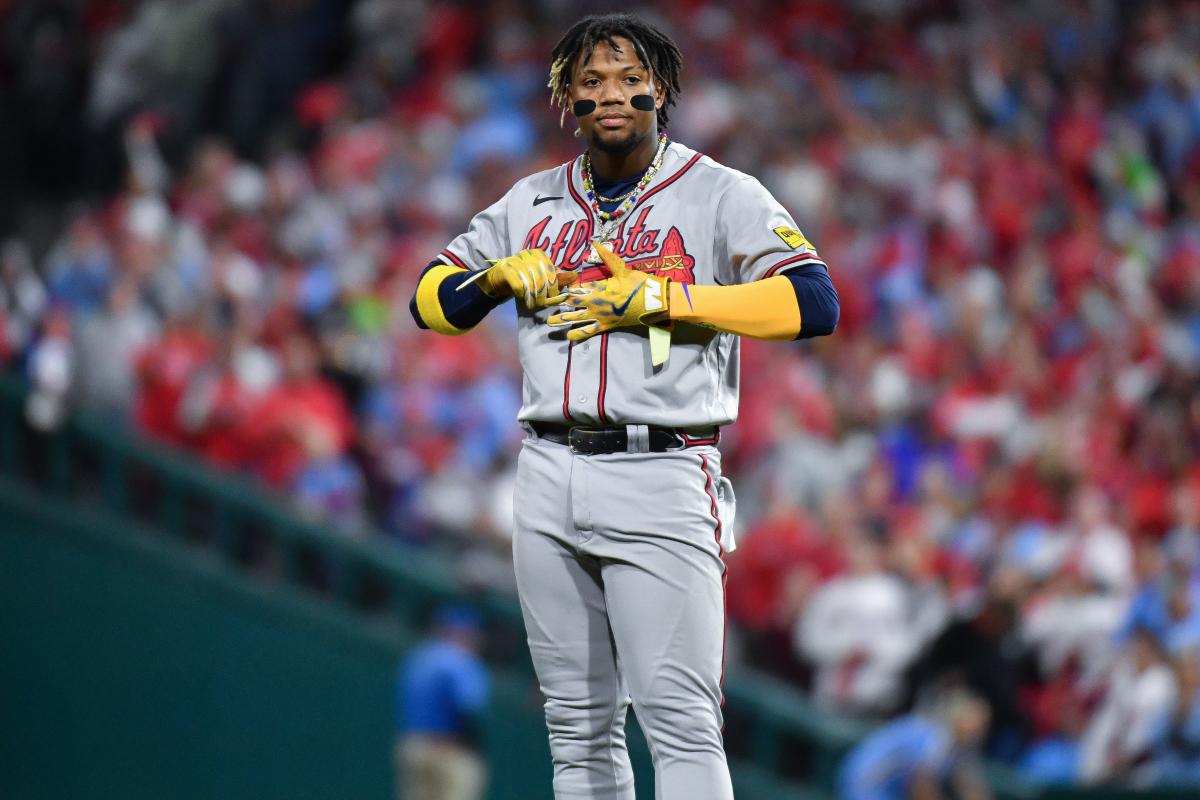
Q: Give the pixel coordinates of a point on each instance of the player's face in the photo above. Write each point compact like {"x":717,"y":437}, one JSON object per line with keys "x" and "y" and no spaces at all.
{"x":611,"y":77}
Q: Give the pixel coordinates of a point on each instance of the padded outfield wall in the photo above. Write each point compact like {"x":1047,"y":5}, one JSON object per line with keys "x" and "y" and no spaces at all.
{"x":131,"y":668}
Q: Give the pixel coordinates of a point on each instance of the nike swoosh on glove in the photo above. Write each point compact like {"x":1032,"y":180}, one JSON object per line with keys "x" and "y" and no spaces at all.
{"x":627,"y":298}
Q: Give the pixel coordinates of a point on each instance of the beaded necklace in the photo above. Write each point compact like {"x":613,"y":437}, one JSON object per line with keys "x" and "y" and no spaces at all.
{"x":601,"y":198}
{"x":610,"y":220}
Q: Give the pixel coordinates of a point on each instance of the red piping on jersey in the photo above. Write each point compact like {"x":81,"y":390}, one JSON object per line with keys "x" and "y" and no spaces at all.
{"x":695,"y":441}
{"x":724,"y":631}
{"x":793,"y":261}
{"x":670,"y":180}
{"x":567,"y":385}
{"x":712,"y":498}
{"x":603,"y":377}
{"x":587,"y":211}
{"x":457,"y":261}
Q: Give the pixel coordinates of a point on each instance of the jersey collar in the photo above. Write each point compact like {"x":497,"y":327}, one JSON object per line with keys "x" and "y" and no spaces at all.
{"x":677,"y":160}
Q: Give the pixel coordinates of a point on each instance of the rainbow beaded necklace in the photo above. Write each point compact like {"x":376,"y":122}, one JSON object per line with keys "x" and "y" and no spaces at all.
{"x":610,"y":220}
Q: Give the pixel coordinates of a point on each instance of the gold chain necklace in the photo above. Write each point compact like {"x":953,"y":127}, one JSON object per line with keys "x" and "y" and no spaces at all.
{"x":616,"y":199}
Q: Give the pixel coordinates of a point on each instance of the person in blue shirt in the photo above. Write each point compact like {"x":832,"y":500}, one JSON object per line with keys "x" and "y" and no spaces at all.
{"x":1176,"y":758}
{"x":917,"y":756}
{"x":442,"y":692}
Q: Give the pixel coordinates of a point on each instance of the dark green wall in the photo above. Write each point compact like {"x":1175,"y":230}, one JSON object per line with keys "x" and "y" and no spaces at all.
{"x":130,"y":668}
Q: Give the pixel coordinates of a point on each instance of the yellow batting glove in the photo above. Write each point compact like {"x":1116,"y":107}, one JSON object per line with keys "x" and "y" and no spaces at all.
{"x":628,"y":298}
{"x":530,"y":275}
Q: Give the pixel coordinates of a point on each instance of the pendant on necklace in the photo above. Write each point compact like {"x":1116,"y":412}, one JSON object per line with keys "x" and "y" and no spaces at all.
{"x":593,"y":256}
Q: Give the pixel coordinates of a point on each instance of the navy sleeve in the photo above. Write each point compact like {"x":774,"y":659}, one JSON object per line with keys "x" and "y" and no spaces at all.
{"x":817,"y":299}
{"x":464,"y":309}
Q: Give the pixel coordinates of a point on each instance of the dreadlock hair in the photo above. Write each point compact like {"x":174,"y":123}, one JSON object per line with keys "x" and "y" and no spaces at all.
{"x":655,"y":49}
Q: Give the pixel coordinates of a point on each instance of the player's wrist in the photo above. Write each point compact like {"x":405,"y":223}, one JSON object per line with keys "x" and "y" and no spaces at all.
{"x":493,"y":290}
{"x":496,"y":282}
{"x":656,"y":300}
{"x":679,"y":304}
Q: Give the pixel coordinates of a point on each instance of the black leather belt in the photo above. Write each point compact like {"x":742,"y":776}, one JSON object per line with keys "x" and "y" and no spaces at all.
{"x":594,"y":441}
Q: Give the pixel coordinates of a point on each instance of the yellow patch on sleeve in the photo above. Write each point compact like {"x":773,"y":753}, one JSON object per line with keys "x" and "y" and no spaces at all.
{"x":793,"y":238}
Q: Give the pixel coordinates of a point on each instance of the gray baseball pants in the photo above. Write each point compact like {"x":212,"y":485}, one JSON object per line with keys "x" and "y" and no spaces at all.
{"x":621,"y":582}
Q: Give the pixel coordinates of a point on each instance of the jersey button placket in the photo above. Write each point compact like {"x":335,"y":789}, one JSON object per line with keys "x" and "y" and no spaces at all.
{"x":585,"y":383}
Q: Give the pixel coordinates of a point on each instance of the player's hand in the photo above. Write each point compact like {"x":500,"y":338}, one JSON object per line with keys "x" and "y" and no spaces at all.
{"x":530,"y":275}
{"x":627,"y":298}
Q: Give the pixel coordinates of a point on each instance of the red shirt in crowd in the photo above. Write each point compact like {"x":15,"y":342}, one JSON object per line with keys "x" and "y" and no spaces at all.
{"x":296,"y":421}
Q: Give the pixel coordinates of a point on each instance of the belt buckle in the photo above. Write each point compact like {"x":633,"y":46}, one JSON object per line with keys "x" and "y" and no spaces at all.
{"x":579,"y":442}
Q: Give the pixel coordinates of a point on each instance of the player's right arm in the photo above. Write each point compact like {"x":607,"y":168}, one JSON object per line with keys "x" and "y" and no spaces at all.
{"x":456,"y":291}
{"x":452,"y":300}
{"x":439,"y":305}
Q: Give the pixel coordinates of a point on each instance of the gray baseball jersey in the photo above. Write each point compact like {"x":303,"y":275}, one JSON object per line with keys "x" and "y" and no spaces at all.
{"x":618,"y":557}
{"x":697,"y":222}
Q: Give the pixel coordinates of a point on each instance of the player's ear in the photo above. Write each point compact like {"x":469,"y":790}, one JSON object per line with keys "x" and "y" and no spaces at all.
{"x":572,"y":89}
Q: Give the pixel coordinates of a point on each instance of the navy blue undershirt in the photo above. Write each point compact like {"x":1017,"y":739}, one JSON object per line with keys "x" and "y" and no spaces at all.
{"x":614,"y":188}
{"x":815,"y":294}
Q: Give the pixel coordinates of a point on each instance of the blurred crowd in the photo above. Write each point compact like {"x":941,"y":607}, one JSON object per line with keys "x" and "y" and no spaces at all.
{"x":987,"y":478}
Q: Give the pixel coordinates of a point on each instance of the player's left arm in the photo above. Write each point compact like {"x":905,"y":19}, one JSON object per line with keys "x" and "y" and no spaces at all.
{"x":796,"y":305}
{"x":782,"y":307}
{"x":772,"y":282}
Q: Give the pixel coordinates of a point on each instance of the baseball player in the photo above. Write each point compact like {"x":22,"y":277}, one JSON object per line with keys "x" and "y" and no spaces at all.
{"x":635,"y":269}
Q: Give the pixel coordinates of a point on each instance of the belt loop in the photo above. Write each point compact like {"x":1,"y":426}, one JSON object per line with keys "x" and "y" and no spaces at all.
{"x":637,"y":438}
